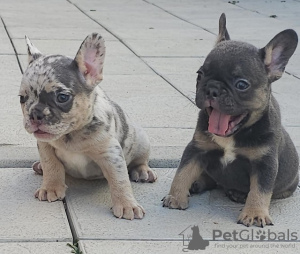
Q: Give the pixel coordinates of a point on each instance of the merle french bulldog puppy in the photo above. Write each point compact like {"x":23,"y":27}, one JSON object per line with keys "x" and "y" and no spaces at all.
{"x":239,"y":142}
{"x":79,"y":129}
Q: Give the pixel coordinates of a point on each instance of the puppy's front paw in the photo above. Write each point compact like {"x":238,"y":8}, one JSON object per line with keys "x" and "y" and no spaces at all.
{"x":51,"y":193}
{"x":143,"y":173}
{"x":172,"y":202}
{"x":257,"y":216}
{"x":128,"y":210}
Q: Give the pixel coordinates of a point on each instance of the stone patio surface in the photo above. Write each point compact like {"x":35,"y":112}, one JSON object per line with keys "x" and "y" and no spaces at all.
{"x":154,"y":48}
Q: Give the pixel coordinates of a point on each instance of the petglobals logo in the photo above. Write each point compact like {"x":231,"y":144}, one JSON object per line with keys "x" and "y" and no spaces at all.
{"x":192,"y":240}
{"x":254,"y":235}
{"x":238,"y":239}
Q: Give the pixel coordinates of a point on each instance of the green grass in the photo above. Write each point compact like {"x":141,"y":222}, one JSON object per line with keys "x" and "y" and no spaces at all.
{"x":74,"y":248}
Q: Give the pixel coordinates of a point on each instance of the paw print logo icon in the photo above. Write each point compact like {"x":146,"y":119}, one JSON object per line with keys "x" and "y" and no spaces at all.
{"x":260,"y":235}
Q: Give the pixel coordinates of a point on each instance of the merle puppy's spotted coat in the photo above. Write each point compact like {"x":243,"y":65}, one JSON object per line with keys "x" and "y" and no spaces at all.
{"x":79,"y":129}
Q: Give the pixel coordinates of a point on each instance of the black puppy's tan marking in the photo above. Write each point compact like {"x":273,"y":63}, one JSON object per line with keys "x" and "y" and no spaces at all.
{"x":239,"y":142}
{"x":257,"y":205}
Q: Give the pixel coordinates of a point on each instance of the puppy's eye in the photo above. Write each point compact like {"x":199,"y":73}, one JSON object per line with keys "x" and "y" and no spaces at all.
{"x":23,"y":99}
{"x":62,"y":98}
{"x":241,"y":85}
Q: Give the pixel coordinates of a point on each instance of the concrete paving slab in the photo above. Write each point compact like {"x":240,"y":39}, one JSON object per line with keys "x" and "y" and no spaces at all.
{"x":69,"y":19}
{"x":126,"y":86}
{"x":176,"y":65}
{"x":287,"y":91}
{"x":167,"y":145}
{"x":174,"y":48}
{"x":170,"y":136}
{"x":12,"y":131}
{"x":88,"y":203}
{"x":159,"y":31}
{"x":14,"y":156}
{"x":58,"y":33}
{"x":11,"y":126}
{"x":284,"y":10}
{"x":180,"y":72}
{"x":139,"y":14}
{"x":33,"y":5}
{"x":158,"y":25}
{"x":252,"y":31}
{"x":9,"y":71}
{"x":172,"y":28}
{"x":165,"y":156}
{"x":24,"y":218}
{"x":186,"y":83}
{"x":293,"y":65}
{"x":50,"y":47}
{"x":294,"y":132}
{"x":68,"y":47}
{"x":205,"y":14}
{"x":119,"y":59}
{"x":6,"y":47}
{"x":154,"y":27}
{"x":34,"y":248}
{"x":114,"y":65}
{"x":162,"y":247}
{"x":150,"y":101}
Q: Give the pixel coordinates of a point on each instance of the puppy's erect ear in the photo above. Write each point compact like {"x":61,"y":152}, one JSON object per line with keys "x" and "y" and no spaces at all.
{"x":278,"y":52}
{"x":90,"y":59}
{"x":223,"y":33}
{"x":33,"y":52}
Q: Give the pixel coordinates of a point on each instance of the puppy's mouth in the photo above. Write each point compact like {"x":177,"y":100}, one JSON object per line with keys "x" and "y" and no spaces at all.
{"x":224,"y":125}
{"x":39,"y":134}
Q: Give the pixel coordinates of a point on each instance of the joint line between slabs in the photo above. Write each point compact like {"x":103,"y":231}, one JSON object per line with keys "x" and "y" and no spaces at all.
{"x":176,"y":16}
{"x":120,"y":40}
{"x":11,"y":41}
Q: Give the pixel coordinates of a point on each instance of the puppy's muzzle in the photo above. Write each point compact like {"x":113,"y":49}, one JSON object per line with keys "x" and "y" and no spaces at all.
{"x":212,"y":92}
{"x":36,"y":116}
{"x":220,"y":122}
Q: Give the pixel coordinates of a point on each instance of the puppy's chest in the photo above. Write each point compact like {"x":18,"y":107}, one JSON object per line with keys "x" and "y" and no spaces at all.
{"x":229,"y":150}
{"x":79,"y":165}
{"x":70,"y":151}
{"x":230,"y":156}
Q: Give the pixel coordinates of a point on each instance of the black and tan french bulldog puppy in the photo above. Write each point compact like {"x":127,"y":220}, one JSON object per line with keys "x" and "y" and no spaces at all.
{"x":79,"y":129}
{"x":239,"y":142}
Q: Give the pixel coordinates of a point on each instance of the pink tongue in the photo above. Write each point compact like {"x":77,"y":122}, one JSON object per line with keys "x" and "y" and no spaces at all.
{"x":218,"y":123}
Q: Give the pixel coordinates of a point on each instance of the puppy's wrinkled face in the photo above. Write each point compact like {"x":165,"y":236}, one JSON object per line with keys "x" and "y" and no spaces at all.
{"x":56,"y":92}
{"x":53,"y":96}
{"x":232,"y":85}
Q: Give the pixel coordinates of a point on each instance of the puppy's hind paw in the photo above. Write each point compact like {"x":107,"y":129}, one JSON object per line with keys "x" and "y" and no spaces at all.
{"x":142,"y":173}
{"x":236,"y":196}
{"x":37,"y":167}
{"x":175,"y":203}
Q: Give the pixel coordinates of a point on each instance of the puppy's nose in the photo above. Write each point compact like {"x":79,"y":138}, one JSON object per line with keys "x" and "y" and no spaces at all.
{"x":212,"y":92}
{"x":36,"y":115}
